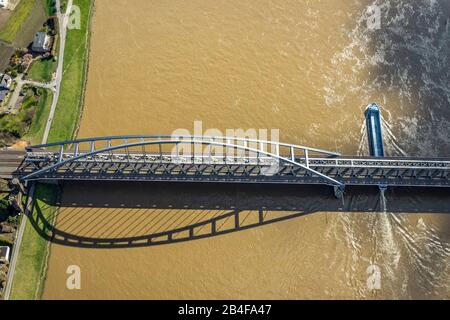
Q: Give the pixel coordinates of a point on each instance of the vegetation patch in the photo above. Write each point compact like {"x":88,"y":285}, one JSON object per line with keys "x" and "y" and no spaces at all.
{"x":8,"y":226}
{"x":50,"y":7}
{"x":64,"y":5}
{"x":19,"y":62}
{"x":3,"y":207}
{"x":17,"y":125}
{"x":29,"y":121}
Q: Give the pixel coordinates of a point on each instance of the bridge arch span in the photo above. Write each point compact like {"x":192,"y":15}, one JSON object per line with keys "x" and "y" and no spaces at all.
{"x":224,"y":142}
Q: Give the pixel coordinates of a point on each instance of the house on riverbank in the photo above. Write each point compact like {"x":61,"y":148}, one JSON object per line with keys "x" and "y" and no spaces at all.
{"x":5,"y":81}
{"x":5,"y":86}
{"x":41,"y":42}
{"x":4,"y":254}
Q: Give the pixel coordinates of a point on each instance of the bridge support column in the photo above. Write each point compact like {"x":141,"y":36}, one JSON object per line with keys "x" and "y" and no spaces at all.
{"x":18,"y":190}
{"x":383,"y":202}
{"x":261,"y":216}
{"x":339,"y":192}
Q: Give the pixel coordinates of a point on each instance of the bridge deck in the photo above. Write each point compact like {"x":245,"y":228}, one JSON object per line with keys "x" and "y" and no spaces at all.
{"x":166,"y":167}
{"x":216,"y":159}
{"x":9,"y":162}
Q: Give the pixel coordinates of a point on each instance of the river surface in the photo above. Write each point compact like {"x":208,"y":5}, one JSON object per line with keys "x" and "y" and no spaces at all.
{"x":307,"y":68}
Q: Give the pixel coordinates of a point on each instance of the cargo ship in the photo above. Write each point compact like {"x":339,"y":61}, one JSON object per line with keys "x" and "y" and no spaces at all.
{"x":374,"y":133}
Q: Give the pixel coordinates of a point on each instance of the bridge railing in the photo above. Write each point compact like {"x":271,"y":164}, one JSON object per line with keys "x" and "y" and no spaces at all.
{"x":382,"y":163}
{"x":92,"y":144}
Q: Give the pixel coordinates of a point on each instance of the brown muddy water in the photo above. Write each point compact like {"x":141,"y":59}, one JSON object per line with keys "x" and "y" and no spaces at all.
{"x":307,"y":68}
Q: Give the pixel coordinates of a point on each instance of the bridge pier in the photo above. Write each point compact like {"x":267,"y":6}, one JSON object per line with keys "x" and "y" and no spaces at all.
{"x":18,"y":190}
{"x":339,"y":192}
{"x":237,"y":222}
{"x":383,"y":189}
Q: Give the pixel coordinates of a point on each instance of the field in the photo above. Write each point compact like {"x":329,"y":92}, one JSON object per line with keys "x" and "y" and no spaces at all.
{"x":4,"y":16}
{"x":5,"y":52}
{"x":16,"y":20}
{"x":42,"y":70}
{"x":24,"y":22}
{"x":34,"y":23}
{"x":72,"y":86}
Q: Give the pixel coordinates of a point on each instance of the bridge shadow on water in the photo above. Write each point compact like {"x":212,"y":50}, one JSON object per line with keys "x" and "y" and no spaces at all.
{"x":123,"y":215}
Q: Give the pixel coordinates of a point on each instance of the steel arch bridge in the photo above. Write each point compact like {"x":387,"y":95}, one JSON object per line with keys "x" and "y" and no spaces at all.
{"x":221,"y":159}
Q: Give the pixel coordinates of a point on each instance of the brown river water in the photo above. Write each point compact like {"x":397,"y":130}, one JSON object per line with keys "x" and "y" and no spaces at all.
{"x":307,"y":68}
